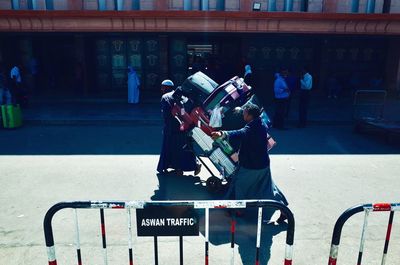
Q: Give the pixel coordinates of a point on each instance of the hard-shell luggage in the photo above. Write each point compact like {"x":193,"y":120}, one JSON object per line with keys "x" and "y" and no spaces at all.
{"x":11,"y":116}
{"x":198,"y":87}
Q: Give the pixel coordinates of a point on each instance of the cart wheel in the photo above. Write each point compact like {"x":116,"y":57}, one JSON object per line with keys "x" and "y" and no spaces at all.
{"x":213,"y":184}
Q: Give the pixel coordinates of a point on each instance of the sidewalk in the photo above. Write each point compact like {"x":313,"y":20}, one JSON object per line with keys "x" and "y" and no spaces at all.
{"x":322,"y":111}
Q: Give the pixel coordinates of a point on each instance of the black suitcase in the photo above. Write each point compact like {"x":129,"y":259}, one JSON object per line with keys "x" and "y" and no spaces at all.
{"x":198,"y":87}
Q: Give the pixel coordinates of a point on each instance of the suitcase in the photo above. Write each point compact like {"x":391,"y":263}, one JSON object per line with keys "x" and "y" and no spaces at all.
{"x":11,"y":115}
{"x":198,"y":87}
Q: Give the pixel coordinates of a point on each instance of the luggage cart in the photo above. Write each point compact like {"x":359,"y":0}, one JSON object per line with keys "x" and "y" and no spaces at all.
{"x":369,"y":106}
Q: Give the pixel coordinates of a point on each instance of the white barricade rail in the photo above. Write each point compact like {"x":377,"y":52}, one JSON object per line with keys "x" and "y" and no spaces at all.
{"x":184,"y":208}
{"x":367,"y":209}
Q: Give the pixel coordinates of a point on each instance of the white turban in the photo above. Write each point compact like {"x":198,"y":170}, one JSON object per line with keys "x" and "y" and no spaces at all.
{"x":167,"y":82}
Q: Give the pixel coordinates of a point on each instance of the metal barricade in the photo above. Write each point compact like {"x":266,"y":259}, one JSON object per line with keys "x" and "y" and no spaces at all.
{"x":366,"y":208}
{"x":198,"y":205}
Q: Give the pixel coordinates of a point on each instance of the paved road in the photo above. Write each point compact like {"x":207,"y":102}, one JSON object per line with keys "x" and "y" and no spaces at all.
{"x":322,"y":170}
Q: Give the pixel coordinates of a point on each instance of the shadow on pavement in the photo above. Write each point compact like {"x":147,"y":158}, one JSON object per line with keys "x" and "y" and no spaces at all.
{"x":173,"y":187}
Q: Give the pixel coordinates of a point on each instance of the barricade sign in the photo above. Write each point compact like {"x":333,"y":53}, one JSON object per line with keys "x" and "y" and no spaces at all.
{"x":168,"y":218}
{"x":367,"y":209}
{"x":167,"y":221}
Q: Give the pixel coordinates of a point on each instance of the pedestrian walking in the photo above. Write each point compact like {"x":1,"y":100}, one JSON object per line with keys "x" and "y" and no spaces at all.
{"x":133,"y":86}
{"x":253,"y":179}
{"x":306,"y":83}
{"x":175,"y":153}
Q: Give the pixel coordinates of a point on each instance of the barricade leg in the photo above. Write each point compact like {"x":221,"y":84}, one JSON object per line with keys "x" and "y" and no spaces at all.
{"x":363,"y":233}
{"x":259,"y":221}
{"x":233,"y":224}
{"x":103,"y":236}
{"x":130,"y":236}
{"x":207,"y":231}
{"x":389,"y":230}
{"x":77,"y":242}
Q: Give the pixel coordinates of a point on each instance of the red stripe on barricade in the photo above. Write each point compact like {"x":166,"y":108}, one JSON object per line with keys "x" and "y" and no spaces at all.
{"x":220,"y":207}
{"x":118,"y":207}
{"x":332,"y":261}
{"x":103,"y":230}
{"x":233,"y":223}
{"x":288,"y":262}
{"x":381,"y":207}
{"x":389,"y":230}
{"x":54,"y":262}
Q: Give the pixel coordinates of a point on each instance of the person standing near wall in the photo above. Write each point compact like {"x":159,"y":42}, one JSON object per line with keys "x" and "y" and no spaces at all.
{"x":282,"y":94}
{"x":133,"y":86}
{"x":305,"y":88}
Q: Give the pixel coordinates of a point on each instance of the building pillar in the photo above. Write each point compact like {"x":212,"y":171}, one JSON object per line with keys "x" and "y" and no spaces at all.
{"x":161,"y":5}
{"x":15,"y":4}
{"x":101,"y":5}
{"x":272,"y":5}
{"x":187,"y":5}
{"x":220,"y":5}
{"x":392,"y":73}
{"x":49,"y":5}
{"x":330,"y":6}
{"x":135,"y":4}
{"x":355,"y":5}
{"x":80,"y":59}
{"x":163,"y":42}
{"x":386,"y":6}
{"x":204,"y":5}
{"x":370,"y":7}
{"x":288,"y":5}
{"x":304,"y":5}
{"x":75,"y":5}
{"x":245,"y":6}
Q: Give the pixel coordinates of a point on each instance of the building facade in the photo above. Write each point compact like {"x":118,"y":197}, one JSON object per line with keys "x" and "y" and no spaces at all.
{"x":85,"y":46}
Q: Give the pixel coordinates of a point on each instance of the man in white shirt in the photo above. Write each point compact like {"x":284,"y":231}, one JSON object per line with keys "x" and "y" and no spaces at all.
{"x":305,"y":87}
{"x":15,"y":74}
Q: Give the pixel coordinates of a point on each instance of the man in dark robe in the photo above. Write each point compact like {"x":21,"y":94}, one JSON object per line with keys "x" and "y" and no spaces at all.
{"x":253,"y":179}
{"x":175,"y":150}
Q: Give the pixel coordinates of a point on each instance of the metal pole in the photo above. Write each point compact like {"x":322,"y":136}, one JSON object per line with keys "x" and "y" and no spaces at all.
{"x":187,"y":5}
{"x":389,"y":230}
{"x":355,"y":5}
{"x":181,"y":250}
{"x":272,"y":5}
{"x":258,"y":243}
{"x":288,"y":5}
{"x":155,"y":251}
{"x":364,"y":231}
{"x":370,"y":7}
{"x":207,"y":212}
{"x":233,"y":223}
{"x":77,"y":242}
{"x":130,"y":237}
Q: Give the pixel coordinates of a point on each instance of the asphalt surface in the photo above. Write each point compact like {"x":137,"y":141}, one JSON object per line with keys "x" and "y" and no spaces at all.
{"x":323,"y":170}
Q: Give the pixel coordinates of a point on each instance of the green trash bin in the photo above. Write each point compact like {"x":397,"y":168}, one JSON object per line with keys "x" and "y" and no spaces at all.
{"x":11,"y":116}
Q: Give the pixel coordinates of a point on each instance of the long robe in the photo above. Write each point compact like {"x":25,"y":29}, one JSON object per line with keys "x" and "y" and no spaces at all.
{"x":133,"y":87}
{"x":175,"y":150}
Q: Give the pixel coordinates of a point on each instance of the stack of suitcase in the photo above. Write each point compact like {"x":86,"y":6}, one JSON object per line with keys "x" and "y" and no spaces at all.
{"x":11,"y":116}
{"x":204,"y":95}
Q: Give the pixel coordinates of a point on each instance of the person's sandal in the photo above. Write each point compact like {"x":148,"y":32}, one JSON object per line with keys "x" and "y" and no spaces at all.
{"x":282,"y":218}
{"x":198,"y":169}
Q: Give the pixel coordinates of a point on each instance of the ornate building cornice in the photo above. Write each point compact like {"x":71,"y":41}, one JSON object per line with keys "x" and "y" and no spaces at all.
{"x":198,"y":21}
